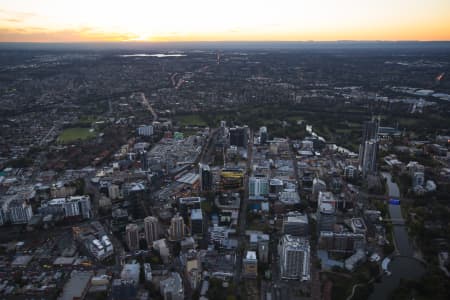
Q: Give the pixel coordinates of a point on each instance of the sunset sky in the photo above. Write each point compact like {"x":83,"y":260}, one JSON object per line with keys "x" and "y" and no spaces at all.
{"x":226,"y":20}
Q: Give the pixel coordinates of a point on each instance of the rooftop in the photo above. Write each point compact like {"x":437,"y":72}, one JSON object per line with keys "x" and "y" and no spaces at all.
{"x":196,"y":214}
{"x":296,"y":217}
{"x":188,"y":200}
{"x":295,"y":243}
{"x":76,"y":286}
{"x":251,"y":255}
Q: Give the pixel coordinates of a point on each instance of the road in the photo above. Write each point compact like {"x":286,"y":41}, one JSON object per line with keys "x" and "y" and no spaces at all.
{"x":148,"y":106}
{"x":243,"y":214}
{"x":47,"y":135}
{"x":207,"y":148}
{"x":243,"y":210}
{"x":294,"y":162}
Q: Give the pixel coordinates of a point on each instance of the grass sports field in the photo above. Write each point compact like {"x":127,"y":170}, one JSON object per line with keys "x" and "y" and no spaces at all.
{"x":74,"y":134}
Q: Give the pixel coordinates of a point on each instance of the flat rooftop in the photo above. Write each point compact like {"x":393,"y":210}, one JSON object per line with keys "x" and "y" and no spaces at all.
{"x":76,"y":286}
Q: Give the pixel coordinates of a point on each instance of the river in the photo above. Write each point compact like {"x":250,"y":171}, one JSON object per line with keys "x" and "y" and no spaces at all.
{"x":403,"y":266}
{"x":158,"y":55}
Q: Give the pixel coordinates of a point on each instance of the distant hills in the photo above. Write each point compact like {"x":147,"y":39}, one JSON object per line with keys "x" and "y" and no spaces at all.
{"x":332,"y":45}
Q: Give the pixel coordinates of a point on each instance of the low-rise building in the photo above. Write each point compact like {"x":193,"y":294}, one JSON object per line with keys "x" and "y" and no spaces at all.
{"x":250,"y":265}
{"x":77,"y":286}
{"x":172,"y":287}
{"x":131,"y":272}
{"x":295,"y":223}
{"x":346,"y":242}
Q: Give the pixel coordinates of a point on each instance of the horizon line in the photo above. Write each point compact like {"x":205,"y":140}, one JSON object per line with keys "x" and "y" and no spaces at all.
{"x":225,"y":41}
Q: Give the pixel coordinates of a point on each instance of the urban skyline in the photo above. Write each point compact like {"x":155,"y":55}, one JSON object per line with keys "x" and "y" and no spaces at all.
{"x":232,"y":150}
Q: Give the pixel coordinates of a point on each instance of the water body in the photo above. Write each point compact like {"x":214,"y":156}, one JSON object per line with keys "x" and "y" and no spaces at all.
{"x":403,"y":266}
{"x":158,"y":55}
{"x":401,"y":237}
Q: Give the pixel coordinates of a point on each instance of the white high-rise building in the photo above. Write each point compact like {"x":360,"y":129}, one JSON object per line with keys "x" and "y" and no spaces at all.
{"x":318,"y":186}
{"x":369,"y":147}
{"x":177,"y":228}
{"x":151,"y":229}
{"x":258,"y":187}
{"x":132,"y":236}
{"x":369,"y":157}
{"x":20,"y":212}
{"x":145,"y":130}
{"x":263,"y":135}
{"x":71,"y":207}
{"x":85,"y":205}
{"x":294,"y":258}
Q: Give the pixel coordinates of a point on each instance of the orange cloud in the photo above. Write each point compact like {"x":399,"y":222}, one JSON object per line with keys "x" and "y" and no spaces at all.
{"x":87,"y":34}
{"x":61,"y":36}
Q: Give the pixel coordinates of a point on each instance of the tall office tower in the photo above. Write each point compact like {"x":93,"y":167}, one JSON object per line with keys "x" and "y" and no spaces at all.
{"x":318,"y":186}
{"x":132,"y":236}
{"x":370,"y":130}
{"x":294,"y":255}
{"x":369,"y":157}
{"x":151,"y":228}
{"x":263,"y":251}
{"x":326,"y":211}
{"x":176,"y":229}
{"x":186,"y":204}
{"x":295,"y":223}
{"x":85,"y":206}
{"x":258,"y":187}
{"x":206,"y":177}
{"x":239,"y":136}
{"x":222,"y":129}
{"x":196,"y":221}
{"x":263,"y":134}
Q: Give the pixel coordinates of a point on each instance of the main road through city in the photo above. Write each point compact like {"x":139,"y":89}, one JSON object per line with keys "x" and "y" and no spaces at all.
{"x":243,"y":210}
